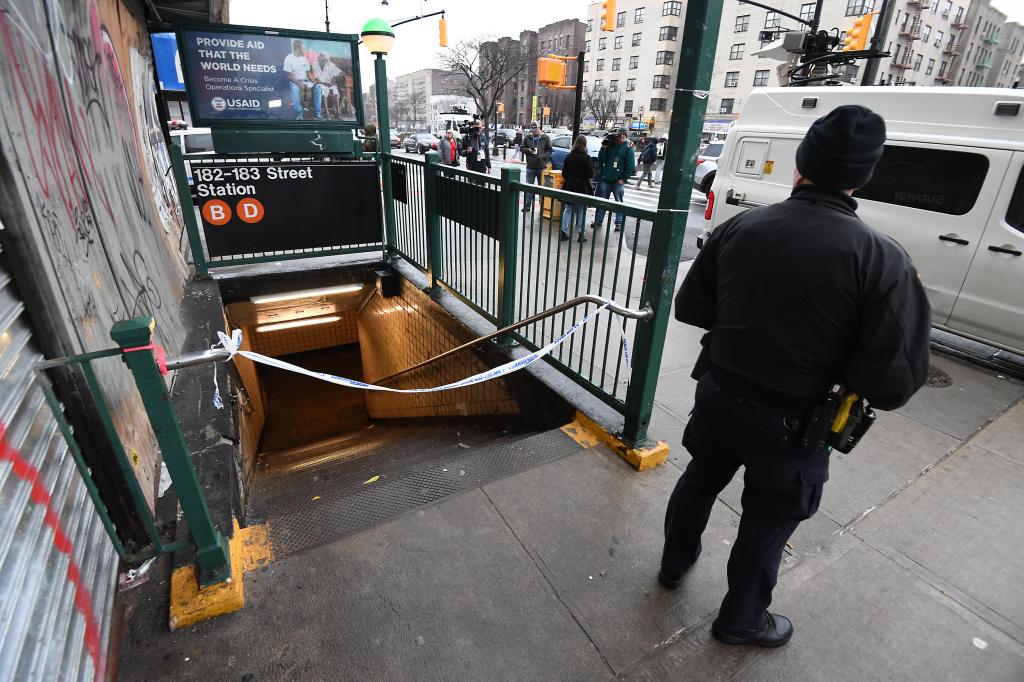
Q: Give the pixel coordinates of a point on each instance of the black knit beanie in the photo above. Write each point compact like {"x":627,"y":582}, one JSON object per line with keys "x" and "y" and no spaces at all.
{"x":842,"y":147}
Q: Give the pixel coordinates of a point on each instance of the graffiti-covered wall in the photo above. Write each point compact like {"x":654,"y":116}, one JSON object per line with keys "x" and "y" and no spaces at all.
{"x":88,"y":199}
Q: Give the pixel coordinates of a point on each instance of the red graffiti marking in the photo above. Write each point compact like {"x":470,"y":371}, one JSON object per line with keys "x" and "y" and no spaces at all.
{"x":29,"y":474}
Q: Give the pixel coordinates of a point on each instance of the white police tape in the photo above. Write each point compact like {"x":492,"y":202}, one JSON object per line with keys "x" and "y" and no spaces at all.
{"x":232,"y":343}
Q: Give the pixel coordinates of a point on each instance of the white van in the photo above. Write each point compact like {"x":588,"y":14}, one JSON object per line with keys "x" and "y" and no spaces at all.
{"x":949,"y":188}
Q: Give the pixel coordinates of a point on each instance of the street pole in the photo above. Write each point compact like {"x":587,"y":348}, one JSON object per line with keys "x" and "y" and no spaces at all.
{"x":577,"y":114}
{"x":380,"y":73}
{"x":877,"y":41}
{"x":693,"y":80}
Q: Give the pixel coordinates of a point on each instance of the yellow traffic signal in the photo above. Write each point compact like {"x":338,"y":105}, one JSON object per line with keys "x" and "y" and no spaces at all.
{"x":442,"y":29}
{"x":857,"y":37}
{"x":550,"y":72}
{"x":501,"y":107}
{"x":608,"y":15}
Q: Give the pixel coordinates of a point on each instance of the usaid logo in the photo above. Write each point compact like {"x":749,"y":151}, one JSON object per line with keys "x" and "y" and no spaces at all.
{"x":218,"y":104}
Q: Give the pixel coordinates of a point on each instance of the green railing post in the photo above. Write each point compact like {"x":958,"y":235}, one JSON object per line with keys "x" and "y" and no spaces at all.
{"x":384,"y":132}
{"x":433,"y":220}
{"x":212,"y":552}
{"x":700,"y":37}
{"x":508,"y":229}
{"x":188,"y":212}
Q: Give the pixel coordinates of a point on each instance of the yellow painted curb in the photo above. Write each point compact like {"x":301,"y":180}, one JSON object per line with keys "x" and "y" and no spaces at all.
{"x":579,"y":433}
{"x":640,"y":459}
{"x":190,"y":604}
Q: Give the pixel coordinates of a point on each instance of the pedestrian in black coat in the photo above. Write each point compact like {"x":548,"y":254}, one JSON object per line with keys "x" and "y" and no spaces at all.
{"x":798,"y":297}
{"x":577,"y":170}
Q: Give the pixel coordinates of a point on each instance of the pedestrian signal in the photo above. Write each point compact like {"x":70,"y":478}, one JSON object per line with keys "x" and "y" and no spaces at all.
{"x":608,"y":15}
{"x":857,"y":37}
{"x":550,"y":71}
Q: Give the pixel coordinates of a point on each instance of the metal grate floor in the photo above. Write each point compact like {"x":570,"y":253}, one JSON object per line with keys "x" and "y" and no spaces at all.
{"x":316,"y":494}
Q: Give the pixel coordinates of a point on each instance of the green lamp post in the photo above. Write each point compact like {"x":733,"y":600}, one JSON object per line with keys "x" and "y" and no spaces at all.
{"x":378,"y":37}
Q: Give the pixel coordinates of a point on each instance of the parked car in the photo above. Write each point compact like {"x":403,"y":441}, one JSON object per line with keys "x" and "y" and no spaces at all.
{"x":421,"y":143}
{"x":707,"y":165}
{"x":949,"y":188}
{"x":396,"y":140}
{"x":561,"y":144}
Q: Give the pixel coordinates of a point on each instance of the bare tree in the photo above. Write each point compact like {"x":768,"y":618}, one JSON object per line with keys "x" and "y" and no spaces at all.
{"x":561,"y":103}
{"x":487,"y":66}
{"x":602,"y":104}
{"x":417,"y":105}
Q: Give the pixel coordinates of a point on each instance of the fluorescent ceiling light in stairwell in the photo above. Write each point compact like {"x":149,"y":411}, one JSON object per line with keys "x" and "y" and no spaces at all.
{"x":277,"y":326}
{"x":307,"y":293}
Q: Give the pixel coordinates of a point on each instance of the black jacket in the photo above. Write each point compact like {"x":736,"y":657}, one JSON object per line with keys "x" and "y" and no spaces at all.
{"x":802,"y":294}
{"x":577,"y":169}
{"x":541,"y":155}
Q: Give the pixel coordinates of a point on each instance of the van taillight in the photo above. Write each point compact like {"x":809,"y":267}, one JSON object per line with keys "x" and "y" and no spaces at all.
{"x":711,"y":206}
{"x":700,"y":161}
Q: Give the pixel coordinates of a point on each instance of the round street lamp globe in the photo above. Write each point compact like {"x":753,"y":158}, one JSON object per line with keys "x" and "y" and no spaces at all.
{"x":377,"y":36}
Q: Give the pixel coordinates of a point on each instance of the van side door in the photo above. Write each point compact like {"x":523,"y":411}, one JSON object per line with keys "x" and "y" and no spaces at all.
{"x":991,"y":303}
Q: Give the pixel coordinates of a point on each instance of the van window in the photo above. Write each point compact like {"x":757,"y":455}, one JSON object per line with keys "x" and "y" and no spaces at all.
{"x":1015,"y":213}
{"x":201,"y":142}
{"x":929,"y":179}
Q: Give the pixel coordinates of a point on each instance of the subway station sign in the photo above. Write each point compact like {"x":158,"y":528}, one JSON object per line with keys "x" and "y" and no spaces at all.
{"x":247,"y":76}
{"x":263,"y":206}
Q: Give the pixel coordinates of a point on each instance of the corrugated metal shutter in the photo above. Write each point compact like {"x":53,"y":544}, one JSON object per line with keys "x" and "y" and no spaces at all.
{"x":58,"y":568}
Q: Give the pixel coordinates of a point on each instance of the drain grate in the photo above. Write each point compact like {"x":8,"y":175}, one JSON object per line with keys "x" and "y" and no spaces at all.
{"x":316,"y":496}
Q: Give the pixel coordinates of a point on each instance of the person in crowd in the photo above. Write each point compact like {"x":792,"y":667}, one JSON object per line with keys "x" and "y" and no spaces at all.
{"x":517,"y":142}
{"x":850,"y":315}
{"x":478,"y":157}
{"x":616,"y":164}
{"x":648,"y":162}
{"x":449,"y":149}
{"x":370,"y":138}
{"x":537,"y":152}
{"x":577,"y":170}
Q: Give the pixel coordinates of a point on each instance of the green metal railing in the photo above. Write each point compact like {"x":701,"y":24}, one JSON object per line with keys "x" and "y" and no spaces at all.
{"x":136,"y":349}
{"x":182,"y":164}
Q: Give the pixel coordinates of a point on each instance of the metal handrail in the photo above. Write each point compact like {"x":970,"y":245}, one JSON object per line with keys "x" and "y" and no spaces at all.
{"x":645,"y":313}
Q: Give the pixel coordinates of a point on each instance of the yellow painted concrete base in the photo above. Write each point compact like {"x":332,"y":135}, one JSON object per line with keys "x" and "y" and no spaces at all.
{"x":588,"y":433}
{"x":190,"y":604}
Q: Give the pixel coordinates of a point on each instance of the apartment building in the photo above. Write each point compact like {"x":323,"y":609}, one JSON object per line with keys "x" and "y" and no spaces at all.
{"x":517,"y":97}
{"x":1008,"y":58}
{"x":637,"y":62}
{"x":931,"y":42}
{"x":565,"y":38}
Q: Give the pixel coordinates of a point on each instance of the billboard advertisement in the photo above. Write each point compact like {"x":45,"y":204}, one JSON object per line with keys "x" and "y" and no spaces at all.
{"x":245,"y":76}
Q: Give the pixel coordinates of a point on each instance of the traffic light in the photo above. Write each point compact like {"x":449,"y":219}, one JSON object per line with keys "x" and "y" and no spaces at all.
{"x":857,"y":37}
{"x":608,"y":15}
{"x":442,"y":30}
{"x":550,"y":72}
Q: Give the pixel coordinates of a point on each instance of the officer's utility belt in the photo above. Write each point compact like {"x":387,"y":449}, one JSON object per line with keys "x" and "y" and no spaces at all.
{"x":838,"y":423}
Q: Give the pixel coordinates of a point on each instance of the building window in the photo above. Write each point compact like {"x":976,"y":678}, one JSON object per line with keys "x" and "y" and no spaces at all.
{"x":931,"y":67}
{"x":665,"y":58}
{"x":627,"y":106}
{"x":742,"y":24}
{"x":658,"y":103}
{"x":926,"y":34}
{"x":598,"y":84}
{"x":918,"y":58}
{"x":602,"y":43}
{"x":939,"y":35}
{"x":634,"y":62}
{"x":618,"y":42}
{"x":616,"y":63}
{"x":636,"y":40}
{"x":660,"y":82}
{"x":772,"y":19}
{"x":613,"y":86}
{"x":586,"y":67}
{"x":726,"y":106}
{"x":668,"y":33}
{"x":586,"y":46}
{"x":590,"y":25}
{"x":638,"y":16}
{"x":959,"y":15}
{"x":672,"y":9}
{"x":855,"y":8}
{"x":630,"y":84}
{"x":732,"y":79}
{"x":600,"y":65}
{"x":620,"y":20}
{"x":736,"y":51}
{"x":761,"y":78}
{"x":944,"y":69}
{"x":807,"y":11}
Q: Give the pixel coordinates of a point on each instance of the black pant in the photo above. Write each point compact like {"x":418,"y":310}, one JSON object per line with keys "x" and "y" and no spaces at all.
{"x":781,"y":487}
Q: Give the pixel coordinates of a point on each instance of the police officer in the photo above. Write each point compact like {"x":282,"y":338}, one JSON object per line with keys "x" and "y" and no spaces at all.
{"x":797,"y":297}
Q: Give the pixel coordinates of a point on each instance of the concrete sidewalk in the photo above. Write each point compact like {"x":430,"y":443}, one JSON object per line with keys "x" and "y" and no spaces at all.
{"x":911,"y":570}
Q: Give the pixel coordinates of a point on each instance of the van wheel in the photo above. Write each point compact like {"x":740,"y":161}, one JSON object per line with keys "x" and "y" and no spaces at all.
{"x":705,"y":186}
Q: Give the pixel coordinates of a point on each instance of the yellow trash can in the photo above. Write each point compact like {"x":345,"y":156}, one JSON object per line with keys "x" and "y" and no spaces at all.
{"x":551,"y":208}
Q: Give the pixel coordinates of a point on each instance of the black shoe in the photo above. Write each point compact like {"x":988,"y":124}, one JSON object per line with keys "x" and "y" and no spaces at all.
{"x":582,"y":238}
{"x":527,"y":209}
{"x":774,"y":632}
{"x":594,"y":226}
{"x":565,"y":237}
{"x":618,"y":228}
{"x":671,"y":582}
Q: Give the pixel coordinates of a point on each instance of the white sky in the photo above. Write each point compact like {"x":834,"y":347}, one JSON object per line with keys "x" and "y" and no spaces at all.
{"x":416,"y":43}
